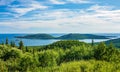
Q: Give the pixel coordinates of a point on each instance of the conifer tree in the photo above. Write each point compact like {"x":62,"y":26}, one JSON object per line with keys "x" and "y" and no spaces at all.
{"x":12,"y":43}
{"x":100,"y":51}
{"x":6,"y":41}
{"x":21,"y":45}
{"x":92,"y":44}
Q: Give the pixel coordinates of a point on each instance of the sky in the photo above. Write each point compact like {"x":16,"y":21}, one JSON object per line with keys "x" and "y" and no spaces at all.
{"x":59,"y":16}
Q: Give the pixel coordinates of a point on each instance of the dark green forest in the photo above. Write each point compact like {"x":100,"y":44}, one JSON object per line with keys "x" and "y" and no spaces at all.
{"x":61,"y":56}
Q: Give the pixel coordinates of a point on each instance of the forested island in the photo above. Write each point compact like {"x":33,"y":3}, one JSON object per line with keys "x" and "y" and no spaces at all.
{"x":61,"y":56}
{"x":65,"y":37}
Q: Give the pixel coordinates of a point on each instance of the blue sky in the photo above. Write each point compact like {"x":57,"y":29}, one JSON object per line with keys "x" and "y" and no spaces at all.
{"x":59,"y":16}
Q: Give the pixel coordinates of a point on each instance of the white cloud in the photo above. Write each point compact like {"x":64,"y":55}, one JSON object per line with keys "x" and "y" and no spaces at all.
{"x":79,"y":1}
{"x":100,"y":19}
{"x":57,"y":2}
{"x":98,"y":8}
{"x":69,"y":1}
{"x":27,"y":6}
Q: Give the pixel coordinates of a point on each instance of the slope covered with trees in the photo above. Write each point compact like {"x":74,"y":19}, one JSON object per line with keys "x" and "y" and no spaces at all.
{"x":116,"y":42}
{"x":62,"y":56}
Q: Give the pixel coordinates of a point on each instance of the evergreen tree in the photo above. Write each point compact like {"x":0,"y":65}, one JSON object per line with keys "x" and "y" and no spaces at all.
{"x":26,"y":49}
{"x":12,"y":43}
{"x":6,"y":41}
{"x":21,"y":45}
{"x":100,"y":51}
{"x":92,"y":44}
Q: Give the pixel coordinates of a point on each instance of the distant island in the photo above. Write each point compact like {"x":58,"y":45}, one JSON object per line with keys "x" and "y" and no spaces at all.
{"x":81,"y":36}
{"x":65,"y":37}
{"x":37,"y":36}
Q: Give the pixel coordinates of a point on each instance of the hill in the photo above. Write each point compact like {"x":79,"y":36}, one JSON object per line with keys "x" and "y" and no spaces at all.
{"x":37,"y":36}
{"x":61,"y":56}
{"x":65,"y":44}
{"x":116,"y":42}
{"x":81,"y":36}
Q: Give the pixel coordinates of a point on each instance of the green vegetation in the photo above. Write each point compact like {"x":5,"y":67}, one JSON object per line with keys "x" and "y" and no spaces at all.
{"x":64,"y":37}
{"x":61,"y":56}
{"x":116,"y":42}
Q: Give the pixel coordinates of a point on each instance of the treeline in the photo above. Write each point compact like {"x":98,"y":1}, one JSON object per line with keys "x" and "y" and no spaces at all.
{"x":61,"y":56}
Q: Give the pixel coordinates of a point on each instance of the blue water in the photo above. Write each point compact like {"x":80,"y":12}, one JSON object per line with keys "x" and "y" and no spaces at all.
{"x":38,"y":42}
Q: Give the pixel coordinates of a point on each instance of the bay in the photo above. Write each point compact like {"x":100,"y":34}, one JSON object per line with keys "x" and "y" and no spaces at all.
{"x":38,"y":42}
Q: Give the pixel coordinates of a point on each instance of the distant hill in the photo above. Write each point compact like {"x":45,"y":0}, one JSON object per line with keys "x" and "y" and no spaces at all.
{"x":81,"y":36}
{"x":65,"y":37}
{"x":116,"y":42}
{"x":65,"y":44}
{"x":37,"y":36}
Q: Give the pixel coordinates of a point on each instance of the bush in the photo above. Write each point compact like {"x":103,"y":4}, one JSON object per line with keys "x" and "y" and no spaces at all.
{"x":48,"y":58}
{"x":26,"y":62}
{"x":12,"y":53}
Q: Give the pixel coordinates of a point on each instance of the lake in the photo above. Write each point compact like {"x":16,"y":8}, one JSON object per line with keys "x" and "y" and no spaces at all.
{"x":38,"y":42}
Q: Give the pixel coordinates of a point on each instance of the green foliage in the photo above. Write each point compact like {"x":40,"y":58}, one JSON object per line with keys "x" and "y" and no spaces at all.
{"x":47,"y":58}
{"x":66,"y":44}
{"x":85,"y":66}
{"x":116,"y":42}
{"x":61,"y":56}
{"x":79,"y":53}
{"x":102,"y":52}
{"x":3,"y":50}
{"x":3,"y":67}
{"x":26,"y":62}
{"x":13,"y":53}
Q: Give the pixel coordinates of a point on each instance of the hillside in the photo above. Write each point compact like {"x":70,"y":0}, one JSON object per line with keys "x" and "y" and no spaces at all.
{"x":116,"y":42}
{"x":65,"y":44}
{"x":81,"y":36}
{"x":37,"y":36}
{"x":61,"y":56}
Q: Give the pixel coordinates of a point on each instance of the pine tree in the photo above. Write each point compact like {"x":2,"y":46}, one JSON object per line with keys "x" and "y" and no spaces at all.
{"x":6,"y":41}
{"x":92,"y":44}
{"x":26,"y":49}
{"x":100,"y":51}
{"x":21,"y":45}
{"x":12,"y":43}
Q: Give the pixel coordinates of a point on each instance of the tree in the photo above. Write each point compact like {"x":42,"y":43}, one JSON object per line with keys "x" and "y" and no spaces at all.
{"x":26,"y":49}
{"x":92,"y":44}
{"x":26,"y":62}
{"x":21,"y":45}
{"x":100,"y":51}
{"x":6,"y":41}
{"x":12,"y":43}
{"x":48,"y":58}
{"x":13,"y":53}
